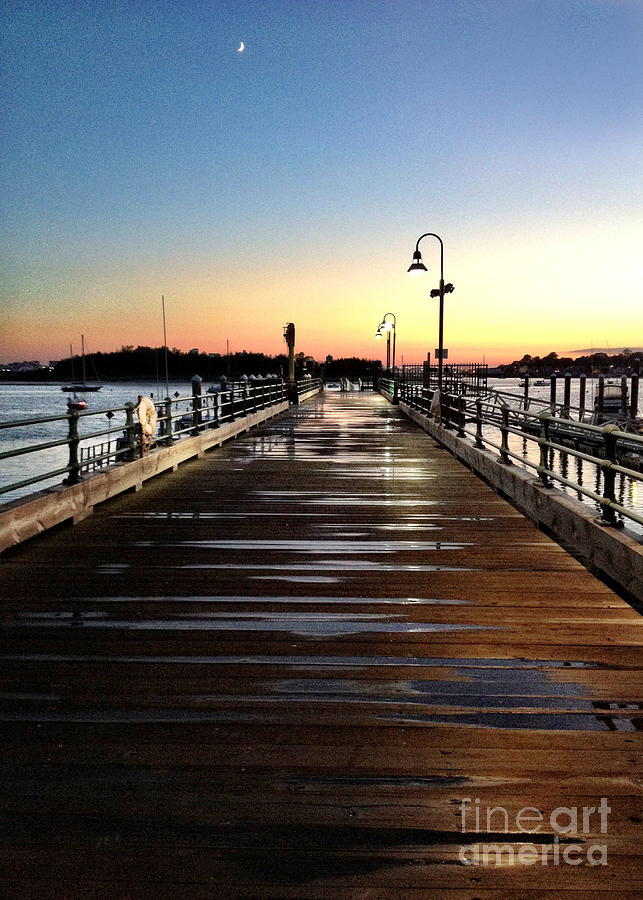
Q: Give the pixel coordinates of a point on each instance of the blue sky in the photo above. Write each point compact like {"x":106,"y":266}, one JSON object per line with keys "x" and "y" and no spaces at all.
{"x":142,"y":154}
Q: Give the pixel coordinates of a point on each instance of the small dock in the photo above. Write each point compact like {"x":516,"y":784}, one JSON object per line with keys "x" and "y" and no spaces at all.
{"x":323,"y":661}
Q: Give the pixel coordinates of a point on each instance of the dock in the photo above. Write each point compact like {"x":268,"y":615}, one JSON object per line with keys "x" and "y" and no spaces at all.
{"x":324,"y":660}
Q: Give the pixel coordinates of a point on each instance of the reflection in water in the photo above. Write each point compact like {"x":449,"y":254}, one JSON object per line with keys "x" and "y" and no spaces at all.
{"x":578,"y":463}
{"x":598,"y":481}
{"x":564,"y":464}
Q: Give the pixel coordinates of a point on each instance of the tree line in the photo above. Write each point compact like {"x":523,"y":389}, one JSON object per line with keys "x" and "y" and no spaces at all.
{"x":148,"y":364}
{"x":627,"y":362}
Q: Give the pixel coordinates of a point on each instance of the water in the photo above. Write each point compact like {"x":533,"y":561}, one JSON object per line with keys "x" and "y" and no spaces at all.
{"x":541,"y":392}
{"x":628,"y":492}
{"x":27,"y":401}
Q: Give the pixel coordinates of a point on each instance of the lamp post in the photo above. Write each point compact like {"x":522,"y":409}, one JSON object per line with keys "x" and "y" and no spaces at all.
{"x":418,"y":266}
{"x":388,"y":327}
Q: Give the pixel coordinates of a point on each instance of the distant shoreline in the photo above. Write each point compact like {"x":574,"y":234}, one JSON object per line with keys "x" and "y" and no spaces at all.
{"x":57,"y":382}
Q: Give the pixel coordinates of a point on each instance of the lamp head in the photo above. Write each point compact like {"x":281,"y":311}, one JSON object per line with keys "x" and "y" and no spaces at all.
{"x":386,"y":326}
{"x":378,"y":334}
{"x":417,"y":265}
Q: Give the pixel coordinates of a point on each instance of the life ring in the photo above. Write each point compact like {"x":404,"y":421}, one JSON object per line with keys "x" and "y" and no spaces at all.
{"x":435,"y":406}
{"x":147,"y":416}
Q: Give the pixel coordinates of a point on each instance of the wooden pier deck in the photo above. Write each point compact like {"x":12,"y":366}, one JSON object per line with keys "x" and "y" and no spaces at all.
{"x":308,"y":665}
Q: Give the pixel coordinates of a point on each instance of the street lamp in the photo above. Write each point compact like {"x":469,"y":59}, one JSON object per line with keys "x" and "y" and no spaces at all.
{"x":378,"y":334}
{"x":418,"y":266}
{"x":388,"y":327}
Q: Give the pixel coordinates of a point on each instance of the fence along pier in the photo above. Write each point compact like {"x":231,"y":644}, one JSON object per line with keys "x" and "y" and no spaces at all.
{"x":293,"y":667}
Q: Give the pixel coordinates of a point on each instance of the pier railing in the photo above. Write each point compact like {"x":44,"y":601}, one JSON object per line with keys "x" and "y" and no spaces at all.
{"x":82,"y":443}
{"x":539,"y":439}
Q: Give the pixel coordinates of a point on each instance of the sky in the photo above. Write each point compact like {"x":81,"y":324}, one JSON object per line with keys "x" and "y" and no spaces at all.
{"x":143,"y":156}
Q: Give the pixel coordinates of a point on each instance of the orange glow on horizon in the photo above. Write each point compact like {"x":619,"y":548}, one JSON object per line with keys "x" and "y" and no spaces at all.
{"x":514,"y":294}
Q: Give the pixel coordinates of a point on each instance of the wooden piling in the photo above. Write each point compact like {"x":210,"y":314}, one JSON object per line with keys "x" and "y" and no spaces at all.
{"x":567,"y":392}
{"x":582,"y":387}
{"x":634,"y":396}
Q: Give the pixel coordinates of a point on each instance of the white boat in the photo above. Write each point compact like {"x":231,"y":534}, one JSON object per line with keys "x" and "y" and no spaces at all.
{"x":614,"y":405}
{"x":612,"y":398}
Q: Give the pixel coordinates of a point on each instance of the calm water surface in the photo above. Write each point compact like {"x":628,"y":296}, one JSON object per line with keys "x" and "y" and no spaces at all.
{"x":27,"y":401}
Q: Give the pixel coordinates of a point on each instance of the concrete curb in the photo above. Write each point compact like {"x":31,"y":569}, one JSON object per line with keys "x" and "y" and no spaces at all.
{"x":306,"y":395}
{"x":614,"y":553}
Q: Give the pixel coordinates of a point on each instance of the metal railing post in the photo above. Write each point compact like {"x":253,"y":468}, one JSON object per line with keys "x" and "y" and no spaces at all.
{"x":73,"y":442}
{"x":462,"y":404}
{"x":446,"y":411}
{"x":479,"y":441}
{"x":543,"y":443}
{"x":504,"y":431}
{"x":168,"y":421}
{"x":609,"y":476}
{"x":130,"y":431}
{"x":197,"y":415}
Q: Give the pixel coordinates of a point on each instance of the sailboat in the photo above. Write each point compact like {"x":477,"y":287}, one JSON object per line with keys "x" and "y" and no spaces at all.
{"x":75,"y":402}
{"x":76,"y":386}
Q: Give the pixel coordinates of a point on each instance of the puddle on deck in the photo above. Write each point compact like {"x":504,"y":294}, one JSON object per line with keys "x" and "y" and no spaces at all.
{"x":313,"y":625}
{"x":313,"y":546}
{"x":241,"y":599}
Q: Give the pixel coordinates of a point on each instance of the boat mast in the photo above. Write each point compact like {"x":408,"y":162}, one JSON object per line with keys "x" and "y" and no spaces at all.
{"x":82,"y":344}
{"x":167,"y":381}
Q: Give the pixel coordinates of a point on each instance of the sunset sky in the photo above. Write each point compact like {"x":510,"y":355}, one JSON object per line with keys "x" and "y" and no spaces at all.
{"x":143,"y":155}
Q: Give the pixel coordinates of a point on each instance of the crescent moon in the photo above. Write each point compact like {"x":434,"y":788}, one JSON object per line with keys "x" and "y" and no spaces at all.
{"x":241,"y":48}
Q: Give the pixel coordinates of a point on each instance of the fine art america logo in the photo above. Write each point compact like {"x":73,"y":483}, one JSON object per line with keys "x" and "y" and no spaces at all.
{"x":551,"y":844}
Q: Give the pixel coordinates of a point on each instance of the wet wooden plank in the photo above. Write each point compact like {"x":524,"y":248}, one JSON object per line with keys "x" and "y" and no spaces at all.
{"x":283,"y":671}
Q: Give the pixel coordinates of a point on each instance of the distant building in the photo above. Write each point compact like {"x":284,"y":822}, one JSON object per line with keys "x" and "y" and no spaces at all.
{"x":30,"y":365}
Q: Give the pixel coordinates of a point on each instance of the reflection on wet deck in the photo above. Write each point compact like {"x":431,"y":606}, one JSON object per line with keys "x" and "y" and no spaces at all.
{"x":289,"y":662}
